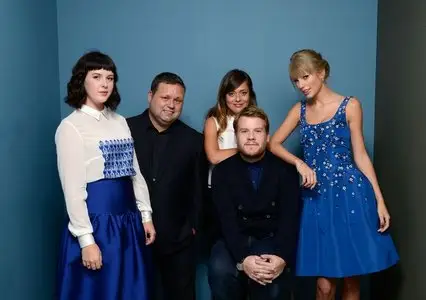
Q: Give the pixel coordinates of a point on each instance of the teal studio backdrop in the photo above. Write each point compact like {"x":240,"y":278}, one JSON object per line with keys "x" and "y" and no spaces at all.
{"x":199,"y":40}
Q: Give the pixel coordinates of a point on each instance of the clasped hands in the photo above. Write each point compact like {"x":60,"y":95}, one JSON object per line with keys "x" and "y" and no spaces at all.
{"x":263,"y":269}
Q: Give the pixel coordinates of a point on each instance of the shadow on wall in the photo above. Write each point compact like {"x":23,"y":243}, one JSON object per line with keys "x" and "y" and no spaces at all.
{"x":386,"y":285}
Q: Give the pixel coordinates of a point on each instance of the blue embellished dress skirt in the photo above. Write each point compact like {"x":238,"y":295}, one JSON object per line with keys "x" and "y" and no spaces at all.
{"x":339,"y":226}
{"x":119,"y":233}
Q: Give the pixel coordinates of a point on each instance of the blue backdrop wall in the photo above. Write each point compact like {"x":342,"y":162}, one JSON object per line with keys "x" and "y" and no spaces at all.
{"x":200,"y":41}
{"x":30,"y":196}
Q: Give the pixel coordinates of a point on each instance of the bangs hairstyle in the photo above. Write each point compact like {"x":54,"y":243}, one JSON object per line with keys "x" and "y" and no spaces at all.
{"x":230,"y":82}
{"x":95,"y":60}
{"x":305,"y":62}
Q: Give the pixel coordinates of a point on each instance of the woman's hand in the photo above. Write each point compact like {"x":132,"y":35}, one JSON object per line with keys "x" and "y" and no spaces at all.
{"x":384,"y":217}
{"x":92,"y":257}
{"x":309,"y":178}
{"x":149,"y":232}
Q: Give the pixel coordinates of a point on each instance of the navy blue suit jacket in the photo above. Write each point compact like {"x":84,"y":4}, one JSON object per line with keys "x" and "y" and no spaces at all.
{"x":262,"y":221}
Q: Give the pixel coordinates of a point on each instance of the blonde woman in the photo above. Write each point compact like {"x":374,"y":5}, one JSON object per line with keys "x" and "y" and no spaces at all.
{"x":345,"y":219}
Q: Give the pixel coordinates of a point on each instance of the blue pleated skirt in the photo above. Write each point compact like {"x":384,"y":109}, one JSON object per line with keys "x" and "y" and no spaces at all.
{"x":119,"y":233}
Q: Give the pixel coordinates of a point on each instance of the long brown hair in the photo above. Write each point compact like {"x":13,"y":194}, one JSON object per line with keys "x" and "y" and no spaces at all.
{"x":231,"y":81}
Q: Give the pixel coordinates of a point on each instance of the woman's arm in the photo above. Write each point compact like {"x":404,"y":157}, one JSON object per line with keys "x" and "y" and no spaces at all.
{"x":72,"y":173}
{"x":362,"y":160}
{"x":275,"y":146}
{"x":211,"y":146}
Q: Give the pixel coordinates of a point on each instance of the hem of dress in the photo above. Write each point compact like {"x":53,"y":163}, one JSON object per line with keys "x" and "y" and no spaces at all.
{"x":346,"y":275}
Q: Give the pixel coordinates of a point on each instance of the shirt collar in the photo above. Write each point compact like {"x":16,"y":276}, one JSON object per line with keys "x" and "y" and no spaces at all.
{"x":94,"y":112}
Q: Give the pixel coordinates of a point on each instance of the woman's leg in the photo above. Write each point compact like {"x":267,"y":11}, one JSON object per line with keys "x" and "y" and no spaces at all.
{"x":326,"y":288}
{"x":351,"y":288}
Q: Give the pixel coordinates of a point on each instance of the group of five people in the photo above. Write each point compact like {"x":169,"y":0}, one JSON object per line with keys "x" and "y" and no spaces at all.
{"x":139,"y":190}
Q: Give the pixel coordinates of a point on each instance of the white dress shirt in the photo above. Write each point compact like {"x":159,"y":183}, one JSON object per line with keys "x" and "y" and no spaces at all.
{"x":82,"y":141}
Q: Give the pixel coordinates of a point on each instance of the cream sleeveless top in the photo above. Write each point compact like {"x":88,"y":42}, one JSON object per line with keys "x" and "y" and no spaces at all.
{"x":226,"y":139}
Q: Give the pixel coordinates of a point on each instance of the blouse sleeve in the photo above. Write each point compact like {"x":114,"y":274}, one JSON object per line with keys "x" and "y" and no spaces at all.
{"x":141,"y":192}
{"x":140,"y":187}
{"x":72,"y":173}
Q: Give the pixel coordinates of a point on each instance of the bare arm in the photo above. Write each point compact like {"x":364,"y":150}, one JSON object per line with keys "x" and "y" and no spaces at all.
{"x":211,"y":146}
{"x":362,"y":160}
{"x":275,"y":146}
{"x":287,"y":127}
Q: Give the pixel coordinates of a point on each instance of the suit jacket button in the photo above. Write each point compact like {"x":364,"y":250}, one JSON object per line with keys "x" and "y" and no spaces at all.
{"x":240,"y":207}
{"x":268,"y":216}
{"x":273,"y":203}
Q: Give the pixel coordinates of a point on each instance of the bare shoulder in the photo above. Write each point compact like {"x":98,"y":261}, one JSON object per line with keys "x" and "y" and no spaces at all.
{"x":296,"y":108}
{"x":294,"y":112}
{"x":354,"y":103}
{"x":353,"y":108}
{"x":210,"y":122}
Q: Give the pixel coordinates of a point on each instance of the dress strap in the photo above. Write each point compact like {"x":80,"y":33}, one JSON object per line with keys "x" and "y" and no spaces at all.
{"x":342,"y":107}
{"x":303,"y":112}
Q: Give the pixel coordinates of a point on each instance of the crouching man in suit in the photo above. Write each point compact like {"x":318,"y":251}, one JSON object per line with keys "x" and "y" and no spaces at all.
{"x":256,"y":197}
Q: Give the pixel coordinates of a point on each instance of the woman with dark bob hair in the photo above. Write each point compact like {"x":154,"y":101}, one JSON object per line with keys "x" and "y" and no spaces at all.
{"x":109,"y":210}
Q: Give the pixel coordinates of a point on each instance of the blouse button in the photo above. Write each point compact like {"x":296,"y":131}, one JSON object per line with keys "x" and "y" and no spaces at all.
{"x":240,"y":207}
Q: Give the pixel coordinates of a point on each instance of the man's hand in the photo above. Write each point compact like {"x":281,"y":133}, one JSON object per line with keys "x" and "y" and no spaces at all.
{"x":149,"y":233}
{"x":273,"y":263}
{"x":258,"y":273}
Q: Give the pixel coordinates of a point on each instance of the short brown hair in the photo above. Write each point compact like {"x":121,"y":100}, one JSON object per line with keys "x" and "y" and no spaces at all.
{"x":252,"y":111}
{"x":94,"y":60}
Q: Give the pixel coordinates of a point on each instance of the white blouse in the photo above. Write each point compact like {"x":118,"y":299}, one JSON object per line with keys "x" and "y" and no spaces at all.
{"x":225,"y":140}
{"x":82,"y":140}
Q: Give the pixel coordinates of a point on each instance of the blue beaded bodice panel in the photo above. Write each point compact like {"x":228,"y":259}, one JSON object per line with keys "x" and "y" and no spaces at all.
{"x":118,"y":156}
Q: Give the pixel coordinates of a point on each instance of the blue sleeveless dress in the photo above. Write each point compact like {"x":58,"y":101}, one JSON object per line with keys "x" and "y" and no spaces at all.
{"x":338,"y":235}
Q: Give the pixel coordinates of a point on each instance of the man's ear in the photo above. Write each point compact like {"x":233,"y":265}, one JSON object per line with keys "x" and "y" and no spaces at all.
{"x":150,"y":94}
